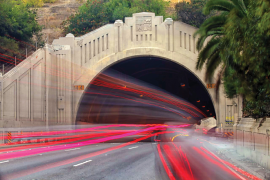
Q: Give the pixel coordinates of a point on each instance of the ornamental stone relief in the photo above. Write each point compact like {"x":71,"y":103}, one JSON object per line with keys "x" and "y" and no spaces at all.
{"x":143,"y":23}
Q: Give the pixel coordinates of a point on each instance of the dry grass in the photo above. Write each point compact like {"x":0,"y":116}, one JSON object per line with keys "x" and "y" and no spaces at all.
{"x":51,"y":18}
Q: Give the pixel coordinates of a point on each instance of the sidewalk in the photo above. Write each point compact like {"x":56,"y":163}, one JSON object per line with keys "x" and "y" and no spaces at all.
{"x":224,"y":148}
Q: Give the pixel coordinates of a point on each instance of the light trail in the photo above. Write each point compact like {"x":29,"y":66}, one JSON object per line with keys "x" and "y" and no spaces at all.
{"x":100,"y":82}
{"x":73,"y":145}
{"x":75,"y":159}
{"x":165,"y":165}
{"x":232,"y":166}
{"x":68,"y":140}
{"x":115,"y":86}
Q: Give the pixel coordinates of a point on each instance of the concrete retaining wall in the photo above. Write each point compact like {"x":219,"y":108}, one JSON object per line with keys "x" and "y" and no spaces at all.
{"x":251,"y":139}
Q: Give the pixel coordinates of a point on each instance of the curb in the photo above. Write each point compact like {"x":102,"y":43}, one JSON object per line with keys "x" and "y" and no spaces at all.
{"x":237,"y":163}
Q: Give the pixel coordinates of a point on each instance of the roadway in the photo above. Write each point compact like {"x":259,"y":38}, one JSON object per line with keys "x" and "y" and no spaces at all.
{"x":134,"y":161}
{"x":187,"y":157}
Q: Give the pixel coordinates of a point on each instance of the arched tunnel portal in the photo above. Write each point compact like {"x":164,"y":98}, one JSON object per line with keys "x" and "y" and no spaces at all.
{"x":145,"y":90}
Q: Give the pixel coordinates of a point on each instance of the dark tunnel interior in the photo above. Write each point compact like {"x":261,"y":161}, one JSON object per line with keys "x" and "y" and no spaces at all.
{"x":157,"y":73}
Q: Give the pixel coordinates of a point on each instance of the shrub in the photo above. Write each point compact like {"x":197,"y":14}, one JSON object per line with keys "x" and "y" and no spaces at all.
{"x":96,"y":13}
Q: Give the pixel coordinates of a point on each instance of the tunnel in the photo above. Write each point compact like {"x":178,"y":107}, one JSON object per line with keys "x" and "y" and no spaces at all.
{"x":145,"y":90}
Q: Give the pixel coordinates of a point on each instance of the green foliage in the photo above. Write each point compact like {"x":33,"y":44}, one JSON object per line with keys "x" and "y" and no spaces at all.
{"x":33,"y":3}
{"x":248,"y":42}
{"x":210,"y":54}
{"x":8,"y":47}
{"x":18,"y":25}
{"x":259,"y":108}
{"x":96,"y":13}
{"x":17,"y":21}
{"x":239,"y":46}
{"x":230,"y":82}
{"x":212,"y":28}
{"x":90,"y":16}
{"x":37,"y":3}
{"x":192,"y":13}
{"x":119,"y":9}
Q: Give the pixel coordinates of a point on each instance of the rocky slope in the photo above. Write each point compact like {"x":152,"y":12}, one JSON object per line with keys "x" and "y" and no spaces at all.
{"x":51,"y":15}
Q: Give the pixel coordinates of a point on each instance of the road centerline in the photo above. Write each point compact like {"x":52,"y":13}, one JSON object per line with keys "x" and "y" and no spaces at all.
{"x":82,"y":163}
{"x":72,"y":149}
{"x":4,"y":161}
{"x":133,"y":147}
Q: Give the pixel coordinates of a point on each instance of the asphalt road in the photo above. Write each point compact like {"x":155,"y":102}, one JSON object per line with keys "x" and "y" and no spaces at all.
{"x":134,"y":162}
{"x":188,"y":157}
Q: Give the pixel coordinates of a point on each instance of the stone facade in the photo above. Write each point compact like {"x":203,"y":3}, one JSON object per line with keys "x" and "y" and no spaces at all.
{"x":41,"y":91}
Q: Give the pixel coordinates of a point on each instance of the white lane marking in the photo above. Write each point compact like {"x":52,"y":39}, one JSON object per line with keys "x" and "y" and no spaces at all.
{"x":3,"y":162}
{"x":72,"y":149}
{"x":82,"y":163}
{"x":133,"y":147}
{"x":154,"y":143}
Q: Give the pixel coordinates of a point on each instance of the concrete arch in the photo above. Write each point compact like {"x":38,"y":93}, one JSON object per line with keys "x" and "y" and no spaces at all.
{"x":109,"y":61}
{"x":143,"y":34}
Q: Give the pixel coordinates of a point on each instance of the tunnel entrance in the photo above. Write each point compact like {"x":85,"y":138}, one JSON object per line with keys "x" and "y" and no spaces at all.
{"x":145,"y":90}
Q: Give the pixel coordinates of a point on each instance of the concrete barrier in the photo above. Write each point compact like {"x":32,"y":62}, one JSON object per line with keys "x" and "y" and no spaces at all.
{"x":252,"y":140}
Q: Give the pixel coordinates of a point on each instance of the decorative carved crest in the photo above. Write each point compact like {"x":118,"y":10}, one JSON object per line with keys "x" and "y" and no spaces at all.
{"x":143,"y":23}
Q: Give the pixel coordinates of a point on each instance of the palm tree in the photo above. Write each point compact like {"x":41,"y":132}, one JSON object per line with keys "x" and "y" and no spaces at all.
{"x":213,"y":29}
